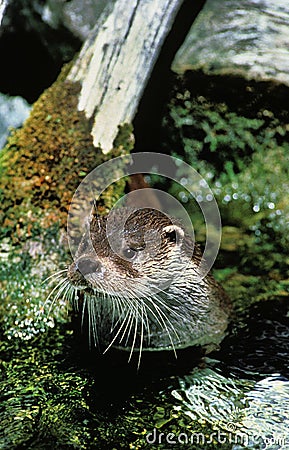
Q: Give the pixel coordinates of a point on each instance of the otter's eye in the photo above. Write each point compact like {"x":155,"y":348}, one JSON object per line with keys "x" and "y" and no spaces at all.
{"x":129,"y":253}
{"x":171,"y":236}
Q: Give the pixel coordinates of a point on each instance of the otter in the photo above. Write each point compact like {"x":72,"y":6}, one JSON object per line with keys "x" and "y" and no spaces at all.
{"x":142,"y":287}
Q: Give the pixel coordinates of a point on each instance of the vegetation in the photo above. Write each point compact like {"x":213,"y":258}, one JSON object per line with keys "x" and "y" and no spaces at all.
{"x":243,"y":155}
{"x":40,"y":168}
{"x":43,"y":163}
{"x":49,"y":397}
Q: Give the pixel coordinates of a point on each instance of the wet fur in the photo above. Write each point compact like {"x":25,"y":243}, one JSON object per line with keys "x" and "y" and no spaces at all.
{"x":125,"y":307}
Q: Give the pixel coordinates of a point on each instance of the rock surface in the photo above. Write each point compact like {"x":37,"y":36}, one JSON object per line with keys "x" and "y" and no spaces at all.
{"x":249,"y":38}
{"x":13,"y":112}
{"x":3,"y":4}
{"x":81,"y":17}
{"x":45,"y":16}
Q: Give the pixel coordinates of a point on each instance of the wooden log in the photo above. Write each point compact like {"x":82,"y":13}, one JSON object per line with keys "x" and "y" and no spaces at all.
{"x":116,"y":61}
{"x":248,"y":39}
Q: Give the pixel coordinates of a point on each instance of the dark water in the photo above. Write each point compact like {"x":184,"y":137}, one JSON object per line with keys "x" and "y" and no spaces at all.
{"x":251,"y":368}
{"x":257,"y":348}
{"x":261,"y":347}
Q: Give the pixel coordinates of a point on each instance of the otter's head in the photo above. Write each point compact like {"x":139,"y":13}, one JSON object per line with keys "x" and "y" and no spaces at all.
{"x":138,"y":272}
{"x":130,"y":254}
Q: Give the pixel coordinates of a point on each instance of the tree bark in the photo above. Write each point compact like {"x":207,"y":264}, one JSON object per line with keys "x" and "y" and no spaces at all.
{"x":116,"y":62}
{"x":248,"y":39}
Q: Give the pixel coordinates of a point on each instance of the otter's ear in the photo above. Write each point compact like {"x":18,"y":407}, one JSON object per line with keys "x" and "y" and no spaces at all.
{"x":174,"y":233}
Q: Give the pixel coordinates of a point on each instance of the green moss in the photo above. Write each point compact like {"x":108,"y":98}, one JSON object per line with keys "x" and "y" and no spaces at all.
{"x":40,"y":168}
{"x":243,"y":158}
{"x":242,"y":150}
{"x":47,"y":398}
{"x":200,"y":127}
{"x":124,"y":141}
{"x":41,"y":402}
{"x":122,"y":146}
{"x":25,"y":307}
{"x":43,"y":163}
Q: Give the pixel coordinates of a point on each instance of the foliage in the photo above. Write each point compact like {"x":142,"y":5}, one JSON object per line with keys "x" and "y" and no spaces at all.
{"x":244,"y":159}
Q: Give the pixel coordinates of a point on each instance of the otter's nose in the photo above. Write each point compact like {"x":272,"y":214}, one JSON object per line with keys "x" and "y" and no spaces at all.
{"x":87,"y":265}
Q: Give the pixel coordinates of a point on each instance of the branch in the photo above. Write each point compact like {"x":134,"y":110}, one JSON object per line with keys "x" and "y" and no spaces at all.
{"x":116,"y":62}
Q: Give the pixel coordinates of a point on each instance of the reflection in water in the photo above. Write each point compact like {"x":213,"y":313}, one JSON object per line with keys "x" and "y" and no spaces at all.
{"x":244,"y":392}
{"x":250,"y":413}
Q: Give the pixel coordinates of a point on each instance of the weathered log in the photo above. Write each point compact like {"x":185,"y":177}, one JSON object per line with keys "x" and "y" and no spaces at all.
{"x":248,"y":38}
{"x":116,"y":62}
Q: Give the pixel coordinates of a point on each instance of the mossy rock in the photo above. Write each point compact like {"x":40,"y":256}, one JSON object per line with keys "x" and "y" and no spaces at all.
{"x":43,"y":162}
{"x":41,"y":166}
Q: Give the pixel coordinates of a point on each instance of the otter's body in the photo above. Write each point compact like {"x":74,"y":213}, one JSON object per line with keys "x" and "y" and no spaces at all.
{"x":142,"y":286}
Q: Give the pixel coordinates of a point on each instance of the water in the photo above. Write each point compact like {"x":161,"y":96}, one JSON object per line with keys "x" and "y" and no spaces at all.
{"x":237,"y":397}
